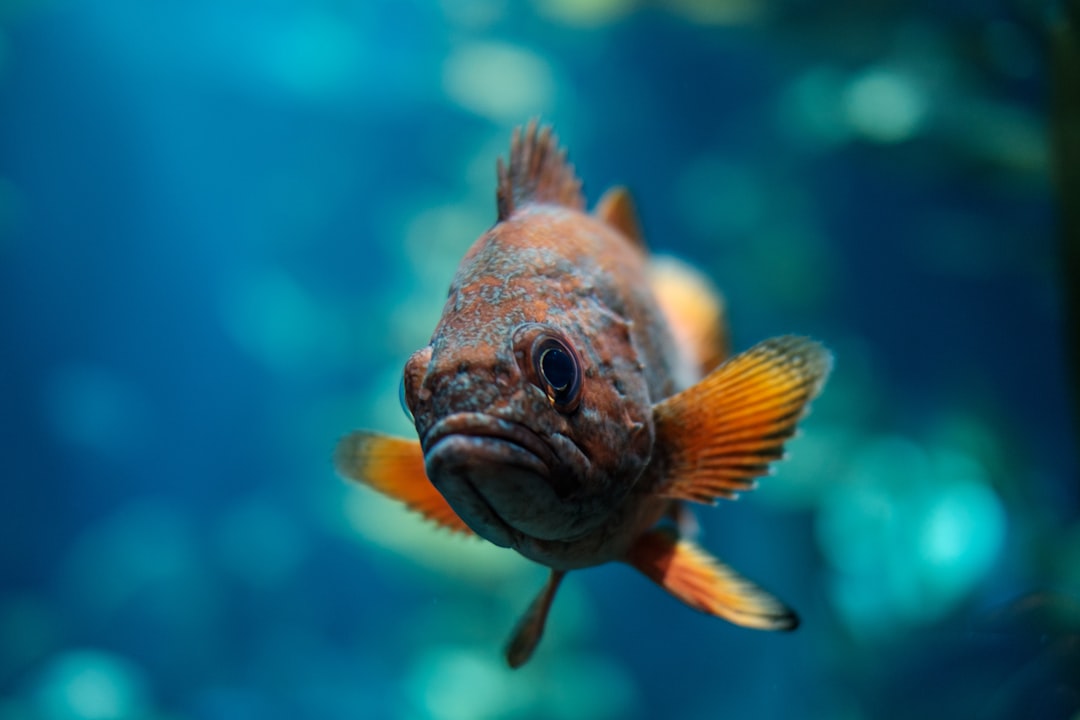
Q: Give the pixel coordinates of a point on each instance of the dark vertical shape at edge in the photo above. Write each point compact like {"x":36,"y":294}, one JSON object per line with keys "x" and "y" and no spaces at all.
{"x":1065,"y":148}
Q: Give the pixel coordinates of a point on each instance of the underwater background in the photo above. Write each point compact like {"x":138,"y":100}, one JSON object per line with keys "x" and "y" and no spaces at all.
{"x":224,"y":225}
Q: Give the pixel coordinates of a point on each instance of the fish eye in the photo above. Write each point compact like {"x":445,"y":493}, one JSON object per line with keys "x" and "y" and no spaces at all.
{"x":404,"y":402}
{"x":557,"y":368}
{"x":550,"y":362}
{"x":559,"y":372}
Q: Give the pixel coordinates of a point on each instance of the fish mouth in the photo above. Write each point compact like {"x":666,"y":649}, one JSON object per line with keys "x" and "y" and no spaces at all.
{"x":494,"y":473}
{"x":514,"y":443}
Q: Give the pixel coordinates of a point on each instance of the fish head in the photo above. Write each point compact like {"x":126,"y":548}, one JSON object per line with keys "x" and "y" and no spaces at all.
{"x":524,"y":430}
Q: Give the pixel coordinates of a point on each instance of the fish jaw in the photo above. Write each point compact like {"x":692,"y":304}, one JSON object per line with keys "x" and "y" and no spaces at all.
{"x":501,"y":478}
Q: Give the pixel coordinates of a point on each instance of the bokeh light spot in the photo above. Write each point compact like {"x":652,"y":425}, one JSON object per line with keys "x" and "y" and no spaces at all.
{"x":272,"y":317}
{"x":718,"y":12}
{"x":463,"y":684}
{"x":884,"y":105}
{"x":91,"y":685}
{"x":436,"y":238}
{"x":964,"y":529}
{"x":909,"y":533}
{"x":499,"y":81}
{"x":142,"y":555}
{"x":585,"y":13}
{"x":475,"y":14}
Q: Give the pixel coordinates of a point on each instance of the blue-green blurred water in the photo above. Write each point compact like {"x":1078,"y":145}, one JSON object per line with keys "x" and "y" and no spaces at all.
{"x":225,"y":225}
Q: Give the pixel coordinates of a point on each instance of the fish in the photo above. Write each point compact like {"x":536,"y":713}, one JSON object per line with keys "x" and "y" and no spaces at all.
{"x":578,"y":393}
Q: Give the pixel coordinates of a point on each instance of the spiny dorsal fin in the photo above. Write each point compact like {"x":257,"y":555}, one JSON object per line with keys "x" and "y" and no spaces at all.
{"x":538,"y":173}
{"x":616,"y":208}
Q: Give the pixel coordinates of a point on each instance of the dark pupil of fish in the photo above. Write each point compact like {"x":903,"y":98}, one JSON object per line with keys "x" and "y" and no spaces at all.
{"x":558,"y":368}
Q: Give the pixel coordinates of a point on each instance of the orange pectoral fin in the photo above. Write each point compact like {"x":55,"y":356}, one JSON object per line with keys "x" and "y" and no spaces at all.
{"x":704,"y":583}
{"x":723,"y":432}
{"x":395,"y":467}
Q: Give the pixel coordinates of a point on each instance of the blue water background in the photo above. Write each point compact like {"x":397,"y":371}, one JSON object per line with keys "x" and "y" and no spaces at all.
{"x":224,"y":226}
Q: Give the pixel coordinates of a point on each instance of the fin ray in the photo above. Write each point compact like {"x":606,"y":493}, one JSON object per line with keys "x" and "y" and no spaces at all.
{"x":725,"y":431}
{"x":395,"y":467}
{"x":705,"y":584}
{"x":538,"y":172}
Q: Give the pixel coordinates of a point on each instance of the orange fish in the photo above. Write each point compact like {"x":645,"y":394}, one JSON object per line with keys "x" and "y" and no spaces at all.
{"x":576,"y":391}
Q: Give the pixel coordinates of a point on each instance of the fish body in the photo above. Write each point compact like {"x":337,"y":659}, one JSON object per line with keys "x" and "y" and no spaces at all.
{"x":563,"y":408}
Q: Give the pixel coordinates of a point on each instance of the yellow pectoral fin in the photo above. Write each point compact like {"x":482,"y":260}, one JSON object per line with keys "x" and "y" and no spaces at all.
{"x":395,"y":467}
{"x":720,"y":434}
{"x":704,"y":583}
